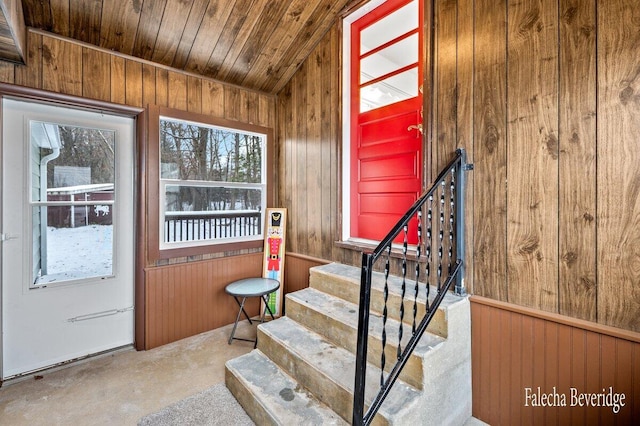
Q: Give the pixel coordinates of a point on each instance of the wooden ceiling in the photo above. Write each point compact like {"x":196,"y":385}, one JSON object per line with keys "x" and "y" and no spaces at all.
{"x":257,"y":44}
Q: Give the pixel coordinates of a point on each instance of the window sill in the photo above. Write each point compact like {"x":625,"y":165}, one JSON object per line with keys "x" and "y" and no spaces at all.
{"x":207,"y":249}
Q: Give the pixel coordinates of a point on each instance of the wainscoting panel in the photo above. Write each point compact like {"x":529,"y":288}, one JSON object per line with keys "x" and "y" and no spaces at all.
{"x":186,"y":299}
{"x":531,"y":368}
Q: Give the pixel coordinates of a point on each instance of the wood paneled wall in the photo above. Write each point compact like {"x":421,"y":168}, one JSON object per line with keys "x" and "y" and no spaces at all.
{"x":308,"y":129}
{"x":183,"y":296}
{"x":296,"y":276}
{"x":187,"y":299}
{"x":555,"y":201}
{"x":64,"y":66}
{"x":543,"y":96}
{"x":516,"y":350}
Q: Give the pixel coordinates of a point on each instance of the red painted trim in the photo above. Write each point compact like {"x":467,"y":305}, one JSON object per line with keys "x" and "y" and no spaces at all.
{"x":391,"y":74}
{"x":389,"y":43}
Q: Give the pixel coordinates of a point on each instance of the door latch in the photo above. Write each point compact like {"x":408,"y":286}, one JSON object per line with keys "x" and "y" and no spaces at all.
{"x":7,"y":237}
{"x":417,"y":127}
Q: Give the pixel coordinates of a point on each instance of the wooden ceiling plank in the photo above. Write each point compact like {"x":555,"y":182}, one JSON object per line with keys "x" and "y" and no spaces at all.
{"x":208,"y":34}
{"x":191,"y":29}
{"x":257,"y":44}
{"x":322,"y":20}
{"x":148,"y":28}
{"x":173,"y":25}
{"x":258,"y":40}
{"x":84,"y":21}
{"x":232,"y":27}
{"x":37,"y":13}
{"x":60,"y":18}
{"x":242,"y":38}
{"x":119,"y":25}
{"x":283,"y":36}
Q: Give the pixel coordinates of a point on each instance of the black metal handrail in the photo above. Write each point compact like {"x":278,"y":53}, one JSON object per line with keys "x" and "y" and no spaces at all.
{"x":441,"y":254}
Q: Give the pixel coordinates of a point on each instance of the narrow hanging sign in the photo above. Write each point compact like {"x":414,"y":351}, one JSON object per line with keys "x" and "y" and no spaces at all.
{"x":274,"y":250}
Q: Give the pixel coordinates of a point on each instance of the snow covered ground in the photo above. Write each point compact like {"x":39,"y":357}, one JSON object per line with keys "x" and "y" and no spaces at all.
{"x":83,"y":252}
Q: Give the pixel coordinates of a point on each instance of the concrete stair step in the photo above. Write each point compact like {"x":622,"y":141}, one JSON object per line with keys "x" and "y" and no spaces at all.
{"x":343,"y":281}
{"x":337,"y":320}
{"x":272,"y":397}
{"x":328,"y":370}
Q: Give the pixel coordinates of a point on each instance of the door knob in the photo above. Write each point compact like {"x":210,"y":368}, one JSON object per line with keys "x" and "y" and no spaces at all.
{"x":417,"y":127}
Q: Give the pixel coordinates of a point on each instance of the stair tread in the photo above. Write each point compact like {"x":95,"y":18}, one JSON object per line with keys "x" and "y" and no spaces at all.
{"x":352,"y":274}
{"x":336,"y":363}
{"x":347,"y":313}
{"x":279,"y":393}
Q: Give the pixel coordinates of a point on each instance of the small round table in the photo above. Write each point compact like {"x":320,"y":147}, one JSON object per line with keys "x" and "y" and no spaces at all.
{"x":251,"y":287}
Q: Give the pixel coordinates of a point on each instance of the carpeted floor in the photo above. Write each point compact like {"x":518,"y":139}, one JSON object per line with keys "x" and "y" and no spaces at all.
{"x":212,"y":407}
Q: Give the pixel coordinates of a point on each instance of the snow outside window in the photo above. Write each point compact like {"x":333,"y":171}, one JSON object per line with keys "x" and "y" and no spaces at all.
{"x":72,"y":202}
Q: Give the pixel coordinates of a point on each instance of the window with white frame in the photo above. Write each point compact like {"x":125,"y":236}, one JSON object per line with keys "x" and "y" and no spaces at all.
{"x":213,"y":186}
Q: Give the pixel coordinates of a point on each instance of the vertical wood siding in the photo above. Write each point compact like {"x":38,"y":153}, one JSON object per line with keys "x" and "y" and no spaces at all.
{"x":67,"y":67}
{"x":514,"y":349}
{"x":490,"y":150}
{"x":532,"y":139}
{"x":618,"y":157}
{"x":577,"y":166}
{"x":543,"y":96}
{"x":553,"y":201}
{"x":308,"y":111}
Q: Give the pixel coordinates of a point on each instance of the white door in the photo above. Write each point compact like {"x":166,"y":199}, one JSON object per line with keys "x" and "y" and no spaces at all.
{"x":67,"y":234}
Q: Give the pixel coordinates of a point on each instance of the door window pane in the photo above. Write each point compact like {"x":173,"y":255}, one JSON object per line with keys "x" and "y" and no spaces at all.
{"x":390,"y":90}
{"x":391,"y":26}
{"x":66,"y":253}
{"x":72,"y":187}
{"x":389,"y":59}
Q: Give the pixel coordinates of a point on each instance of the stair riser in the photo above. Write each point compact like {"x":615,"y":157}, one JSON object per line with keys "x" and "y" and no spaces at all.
{"x":245,"y":397}
{"x":345,"y":336}
{"x":350,"y":291}
{"x":324,"y":388}
{"x":273,"y":397}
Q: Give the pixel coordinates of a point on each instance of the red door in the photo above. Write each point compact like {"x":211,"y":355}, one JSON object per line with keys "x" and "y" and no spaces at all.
{"x":386,"y":105}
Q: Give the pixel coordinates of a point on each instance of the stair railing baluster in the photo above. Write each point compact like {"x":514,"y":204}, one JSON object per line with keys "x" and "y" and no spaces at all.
{"x":454,"y":273}
{"x":428,"y":244}
{"x":385,"y":295}
{"x":403,"y":287}
{"x":417,"y":274}
{"x":441,"y":236}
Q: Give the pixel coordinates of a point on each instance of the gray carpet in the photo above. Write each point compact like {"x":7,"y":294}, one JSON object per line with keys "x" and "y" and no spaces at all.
{"x":212,"y":407}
